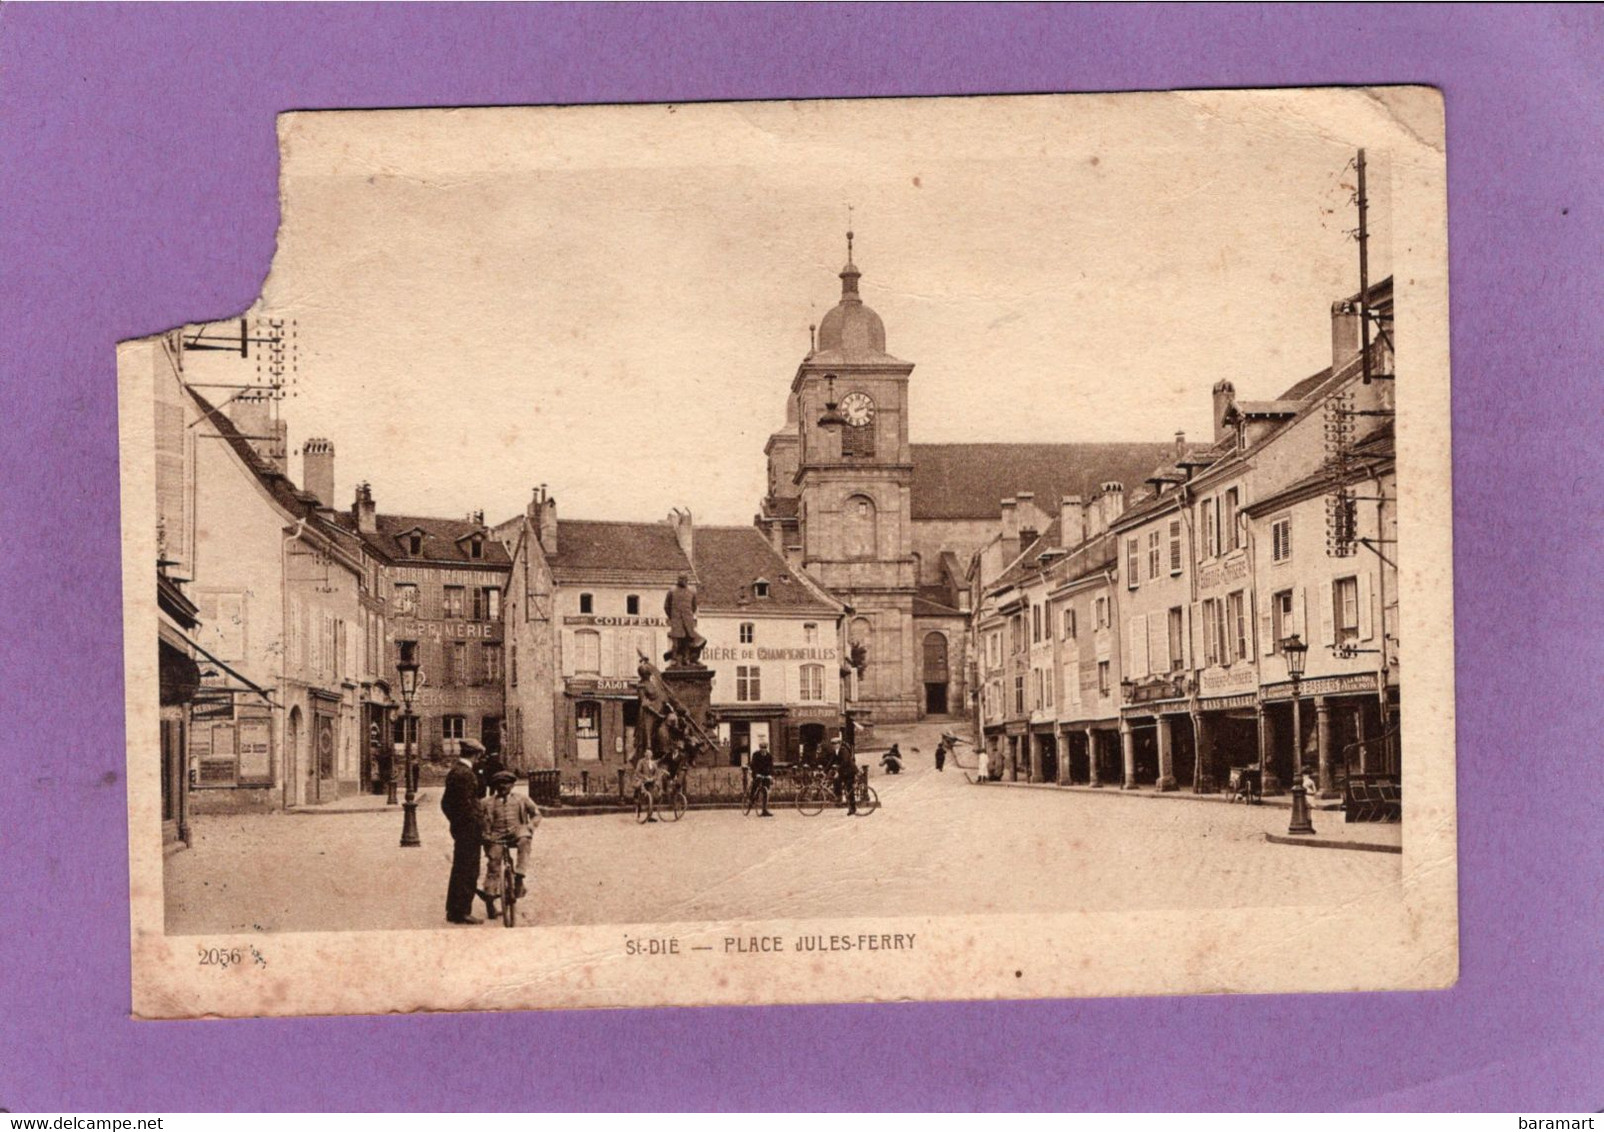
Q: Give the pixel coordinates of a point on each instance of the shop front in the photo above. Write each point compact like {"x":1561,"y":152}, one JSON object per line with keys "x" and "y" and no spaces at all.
{"x":179,"y":680}
{"x":596,"y":734}
{"x":808,"y":731}
{"x":1349,"y":728}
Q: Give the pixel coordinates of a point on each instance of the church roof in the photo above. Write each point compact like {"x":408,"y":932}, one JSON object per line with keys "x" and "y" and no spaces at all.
{"x":970,"y":481}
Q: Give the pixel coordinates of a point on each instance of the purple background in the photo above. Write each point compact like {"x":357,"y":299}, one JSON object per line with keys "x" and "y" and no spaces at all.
{"x":138,"y":165}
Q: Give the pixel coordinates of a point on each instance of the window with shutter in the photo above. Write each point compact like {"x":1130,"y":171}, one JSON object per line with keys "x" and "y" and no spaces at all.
{"x":1206,"y":521}
{"x":1177,"y":634}
{"x":1133,"y":552}
{"x":1281,"y":539}
{"x":1211,"y":651}
{"x":1366,"y":608}
{"x":1345,"y":610}
{"x":1228,"y":536}
{"x":1175,"y":546}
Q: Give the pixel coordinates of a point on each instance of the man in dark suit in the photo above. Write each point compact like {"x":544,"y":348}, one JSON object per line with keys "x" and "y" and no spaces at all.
{"x":460,"y":803}
{"x":846,"y":776}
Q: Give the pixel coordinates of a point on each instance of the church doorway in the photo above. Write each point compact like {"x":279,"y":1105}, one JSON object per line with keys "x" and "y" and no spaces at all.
{"x":935,"y":674}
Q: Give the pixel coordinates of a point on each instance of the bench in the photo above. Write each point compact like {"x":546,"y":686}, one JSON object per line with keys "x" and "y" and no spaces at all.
{"x":1372,"y":798}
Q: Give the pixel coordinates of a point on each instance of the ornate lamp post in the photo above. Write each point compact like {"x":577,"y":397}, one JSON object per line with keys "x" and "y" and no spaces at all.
{"x":407,"y":667}
{"x":832,"y":418}
{"x":1295,"y":652}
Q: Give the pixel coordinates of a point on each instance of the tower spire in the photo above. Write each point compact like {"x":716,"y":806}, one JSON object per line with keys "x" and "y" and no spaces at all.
{"x":849,"y":273}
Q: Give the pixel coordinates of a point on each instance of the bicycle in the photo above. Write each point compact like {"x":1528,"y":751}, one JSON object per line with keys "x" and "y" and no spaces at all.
{"x":509,"y":881}
{"x":674,"y":790}
{"x":864,"y":797}
{"x":760,"y":788}
{"x":812,"y":794}
{"x":645,"y":804}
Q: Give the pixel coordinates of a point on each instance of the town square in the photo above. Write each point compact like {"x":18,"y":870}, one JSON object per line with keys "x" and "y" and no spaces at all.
{"x":1138,"y":647}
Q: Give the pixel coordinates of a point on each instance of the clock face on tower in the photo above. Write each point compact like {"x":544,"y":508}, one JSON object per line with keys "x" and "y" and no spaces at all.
{"x":858,"y":409}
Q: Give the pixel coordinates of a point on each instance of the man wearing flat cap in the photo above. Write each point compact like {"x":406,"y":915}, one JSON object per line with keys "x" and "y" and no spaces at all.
{"x":508,"y":821}
{"x":459,"y":801}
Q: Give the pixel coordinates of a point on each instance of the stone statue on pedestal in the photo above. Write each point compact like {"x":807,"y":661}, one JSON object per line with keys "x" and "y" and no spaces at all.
{"x":685,"y":644}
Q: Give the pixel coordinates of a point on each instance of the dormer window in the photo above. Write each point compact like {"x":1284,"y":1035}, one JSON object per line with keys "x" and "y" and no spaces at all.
{"x":760,"y":588}
{"x":414,"y":544}
{"x":476,"y":547}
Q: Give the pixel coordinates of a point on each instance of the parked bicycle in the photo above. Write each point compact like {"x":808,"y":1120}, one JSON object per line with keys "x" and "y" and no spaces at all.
{"x":820,"y":789}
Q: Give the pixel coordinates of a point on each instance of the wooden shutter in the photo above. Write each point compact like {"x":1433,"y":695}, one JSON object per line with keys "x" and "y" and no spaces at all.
{"x":1251,"y":599}
{"x":1367,"y":629}
{"x":1139,"y":646}
{"x":1326,"y":596}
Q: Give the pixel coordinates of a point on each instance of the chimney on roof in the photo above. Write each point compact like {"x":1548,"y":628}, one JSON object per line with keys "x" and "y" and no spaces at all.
{"x":1224,"y":398}
{"x":1010,"y":521}
{"x":542,"y":516}
{"x":477,"y":518}
{"x":1071,"y":521}
{"x":1344,"y":332}
{"x":1111,"y":500}
{"x":317,"y":469}
{"x":252,"y":414}
{"x":363,"y":511}
{"x":1180,"y":445}
{"x":684,"y":533}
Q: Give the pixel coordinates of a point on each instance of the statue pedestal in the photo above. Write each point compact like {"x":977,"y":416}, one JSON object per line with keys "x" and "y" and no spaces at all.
{"x":693,"y":688}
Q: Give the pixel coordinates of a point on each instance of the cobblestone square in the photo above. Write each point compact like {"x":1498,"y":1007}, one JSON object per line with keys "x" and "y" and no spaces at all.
{"x":938,"y":845}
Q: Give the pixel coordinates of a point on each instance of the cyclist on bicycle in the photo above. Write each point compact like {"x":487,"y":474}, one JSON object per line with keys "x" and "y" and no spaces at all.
{"x":507,"y":821}
{"x":762,"y":775}
{"x":646,"y":782}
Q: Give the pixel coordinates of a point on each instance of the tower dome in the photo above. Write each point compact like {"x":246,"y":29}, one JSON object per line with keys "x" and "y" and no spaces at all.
{"x":851,"y":329}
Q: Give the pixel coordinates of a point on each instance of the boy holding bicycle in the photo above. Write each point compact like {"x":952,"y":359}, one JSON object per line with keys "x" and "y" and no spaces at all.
{"x":507,"y":820}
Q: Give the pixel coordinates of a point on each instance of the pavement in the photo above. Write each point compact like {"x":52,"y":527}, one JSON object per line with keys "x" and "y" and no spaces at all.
{"x":938,"y":845}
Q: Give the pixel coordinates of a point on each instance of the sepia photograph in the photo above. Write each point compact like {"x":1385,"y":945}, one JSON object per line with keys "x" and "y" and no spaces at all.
{"x":802,"y":552}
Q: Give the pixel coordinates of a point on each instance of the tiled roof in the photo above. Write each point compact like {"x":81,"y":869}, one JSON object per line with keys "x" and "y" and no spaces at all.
{"x":444,"y":541}
{"x":970,"y":481}
{"x":1025,"y":566}
{"x":283,"y":490}
{"x":730,"y":559}
{"x":589,"y":545}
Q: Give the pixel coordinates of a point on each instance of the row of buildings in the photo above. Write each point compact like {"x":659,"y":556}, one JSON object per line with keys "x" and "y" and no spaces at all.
{"x":1136,"y":640}
{"x":282,"y":619}
{"x":1103,"y":613}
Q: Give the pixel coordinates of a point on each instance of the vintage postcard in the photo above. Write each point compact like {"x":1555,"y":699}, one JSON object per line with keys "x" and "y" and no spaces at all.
{"x":804,"y":552}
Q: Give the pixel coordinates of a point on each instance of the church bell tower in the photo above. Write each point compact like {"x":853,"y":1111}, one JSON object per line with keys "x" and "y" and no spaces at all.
{"x":850,"y":471}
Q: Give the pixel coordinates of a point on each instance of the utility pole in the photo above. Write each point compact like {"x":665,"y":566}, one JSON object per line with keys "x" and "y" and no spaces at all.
{"x":1364,"y":271}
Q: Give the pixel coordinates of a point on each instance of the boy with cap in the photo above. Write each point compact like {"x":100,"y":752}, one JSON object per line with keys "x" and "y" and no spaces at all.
{"x":508,"y":819}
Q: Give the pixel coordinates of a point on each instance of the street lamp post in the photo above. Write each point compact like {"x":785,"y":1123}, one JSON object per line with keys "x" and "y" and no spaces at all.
{"x":407,"y":667}
{"x":1295,"y":652}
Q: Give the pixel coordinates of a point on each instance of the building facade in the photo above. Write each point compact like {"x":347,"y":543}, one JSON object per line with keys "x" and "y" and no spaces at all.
{"x":892,"y":528}
{"x":586,"y":602}
{"x":444,"y":582}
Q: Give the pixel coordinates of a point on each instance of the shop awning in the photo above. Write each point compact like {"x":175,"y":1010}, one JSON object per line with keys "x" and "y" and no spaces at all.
{"x":249,"y":686}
